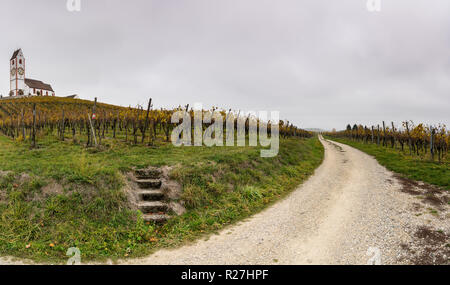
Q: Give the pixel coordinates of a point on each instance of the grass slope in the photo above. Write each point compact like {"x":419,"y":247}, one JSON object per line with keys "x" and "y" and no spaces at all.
{"x":414,"y":167}
{"x":41,"y":220}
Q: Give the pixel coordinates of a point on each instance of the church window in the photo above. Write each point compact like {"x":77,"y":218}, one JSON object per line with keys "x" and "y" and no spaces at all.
{"x":20,"y":61}
{"x":47,"y":93}
{"x":34,"y":90}
{"x":12,"y":62}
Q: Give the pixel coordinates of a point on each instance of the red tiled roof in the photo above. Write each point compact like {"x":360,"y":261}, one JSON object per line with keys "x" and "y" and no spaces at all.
{"x":38,"y":84}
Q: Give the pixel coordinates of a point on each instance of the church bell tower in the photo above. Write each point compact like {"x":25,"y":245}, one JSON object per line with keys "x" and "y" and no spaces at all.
{"x":17,"y":75}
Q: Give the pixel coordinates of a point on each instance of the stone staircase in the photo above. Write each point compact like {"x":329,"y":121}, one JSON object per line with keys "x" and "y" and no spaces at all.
{"x":151,"y":200}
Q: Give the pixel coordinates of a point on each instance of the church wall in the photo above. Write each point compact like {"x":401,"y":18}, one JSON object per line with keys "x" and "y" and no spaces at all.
{"x":28,"y":90}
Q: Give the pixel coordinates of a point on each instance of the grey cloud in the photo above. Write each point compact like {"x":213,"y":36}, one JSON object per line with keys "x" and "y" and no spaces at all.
{"x":320,"y":63}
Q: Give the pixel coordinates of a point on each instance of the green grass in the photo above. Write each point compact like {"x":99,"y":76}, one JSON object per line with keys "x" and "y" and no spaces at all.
{"x":90,"y":211}
{"x":419,"y":168}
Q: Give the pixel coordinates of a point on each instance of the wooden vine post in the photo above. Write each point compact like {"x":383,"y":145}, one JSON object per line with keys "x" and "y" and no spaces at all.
{"x":146,"y":119}
{"x":378,"y":135}
{"x":33,"y":136}
{"x":409,"y":138}
{"x":433,"y":132}
{"x":135,"y":125}
{"x":372,"y":135}
{"x":393,"y":135}
{"x":23,"y":124}
{"x":62,"y":125}
{"x":92,"y":124}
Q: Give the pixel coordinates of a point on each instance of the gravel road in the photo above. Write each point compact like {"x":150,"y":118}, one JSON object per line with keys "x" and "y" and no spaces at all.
{"x":349,"y":205}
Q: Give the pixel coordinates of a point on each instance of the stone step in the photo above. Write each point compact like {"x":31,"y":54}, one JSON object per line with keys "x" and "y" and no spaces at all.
{"x":153,"y":207}
{"x":148,"y":173}
{"x":156,"y":218}
{"x":151,"y":195}
{"x":149,"y":183}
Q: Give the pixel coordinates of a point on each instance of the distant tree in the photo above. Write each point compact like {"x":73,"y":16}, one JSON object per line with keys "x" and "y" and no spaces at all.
{"x":11,"y":93}
{"x":355,"y":127}
{"x":349,"y":127}
{"x":21,"y":92}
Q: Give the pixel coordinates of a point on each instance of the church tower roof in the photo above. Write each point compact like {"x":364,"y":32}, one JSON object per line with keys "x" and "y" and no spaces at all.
{"x":15,"y":54}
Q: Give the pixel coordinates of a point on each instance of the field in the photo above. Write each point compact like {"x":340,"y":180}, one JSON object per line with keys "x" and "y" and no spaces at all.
{"x":60,"y":193}
{"x":64,"y":166}
{"x":414,"y":167}
{"x":417,"y":152}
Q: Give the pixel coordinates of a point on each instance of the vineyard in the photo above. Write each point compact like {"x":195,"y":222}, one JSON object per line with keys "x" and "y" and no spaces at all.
{"x":67,"y":192}
{"x":417,"y":140}
{"x":29,"y":119}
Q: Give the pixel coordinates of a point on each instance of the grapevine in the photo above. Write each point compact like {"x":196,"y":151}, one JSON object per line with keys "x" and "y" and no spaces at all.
{"x":25,"y":119}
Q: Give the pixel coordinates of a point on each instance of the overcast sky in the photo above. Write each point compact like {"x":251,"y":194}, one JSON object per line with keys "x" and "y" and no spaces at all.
{"x":321,"y":63}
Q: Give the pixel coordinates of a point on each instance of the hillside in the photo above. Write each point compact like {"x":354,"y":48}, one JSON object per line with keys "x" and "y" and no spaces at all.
{"x":64,"y":193}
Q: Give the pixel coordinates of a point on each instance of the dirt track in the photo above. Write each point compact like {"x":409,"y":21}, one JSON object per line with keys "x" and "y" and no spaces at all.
{"x":349,"y":205}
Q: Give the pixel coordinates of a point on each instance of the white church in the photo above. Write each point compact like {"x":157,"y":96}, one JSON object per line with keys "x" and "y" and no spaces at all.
{"x":22,"y":86}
